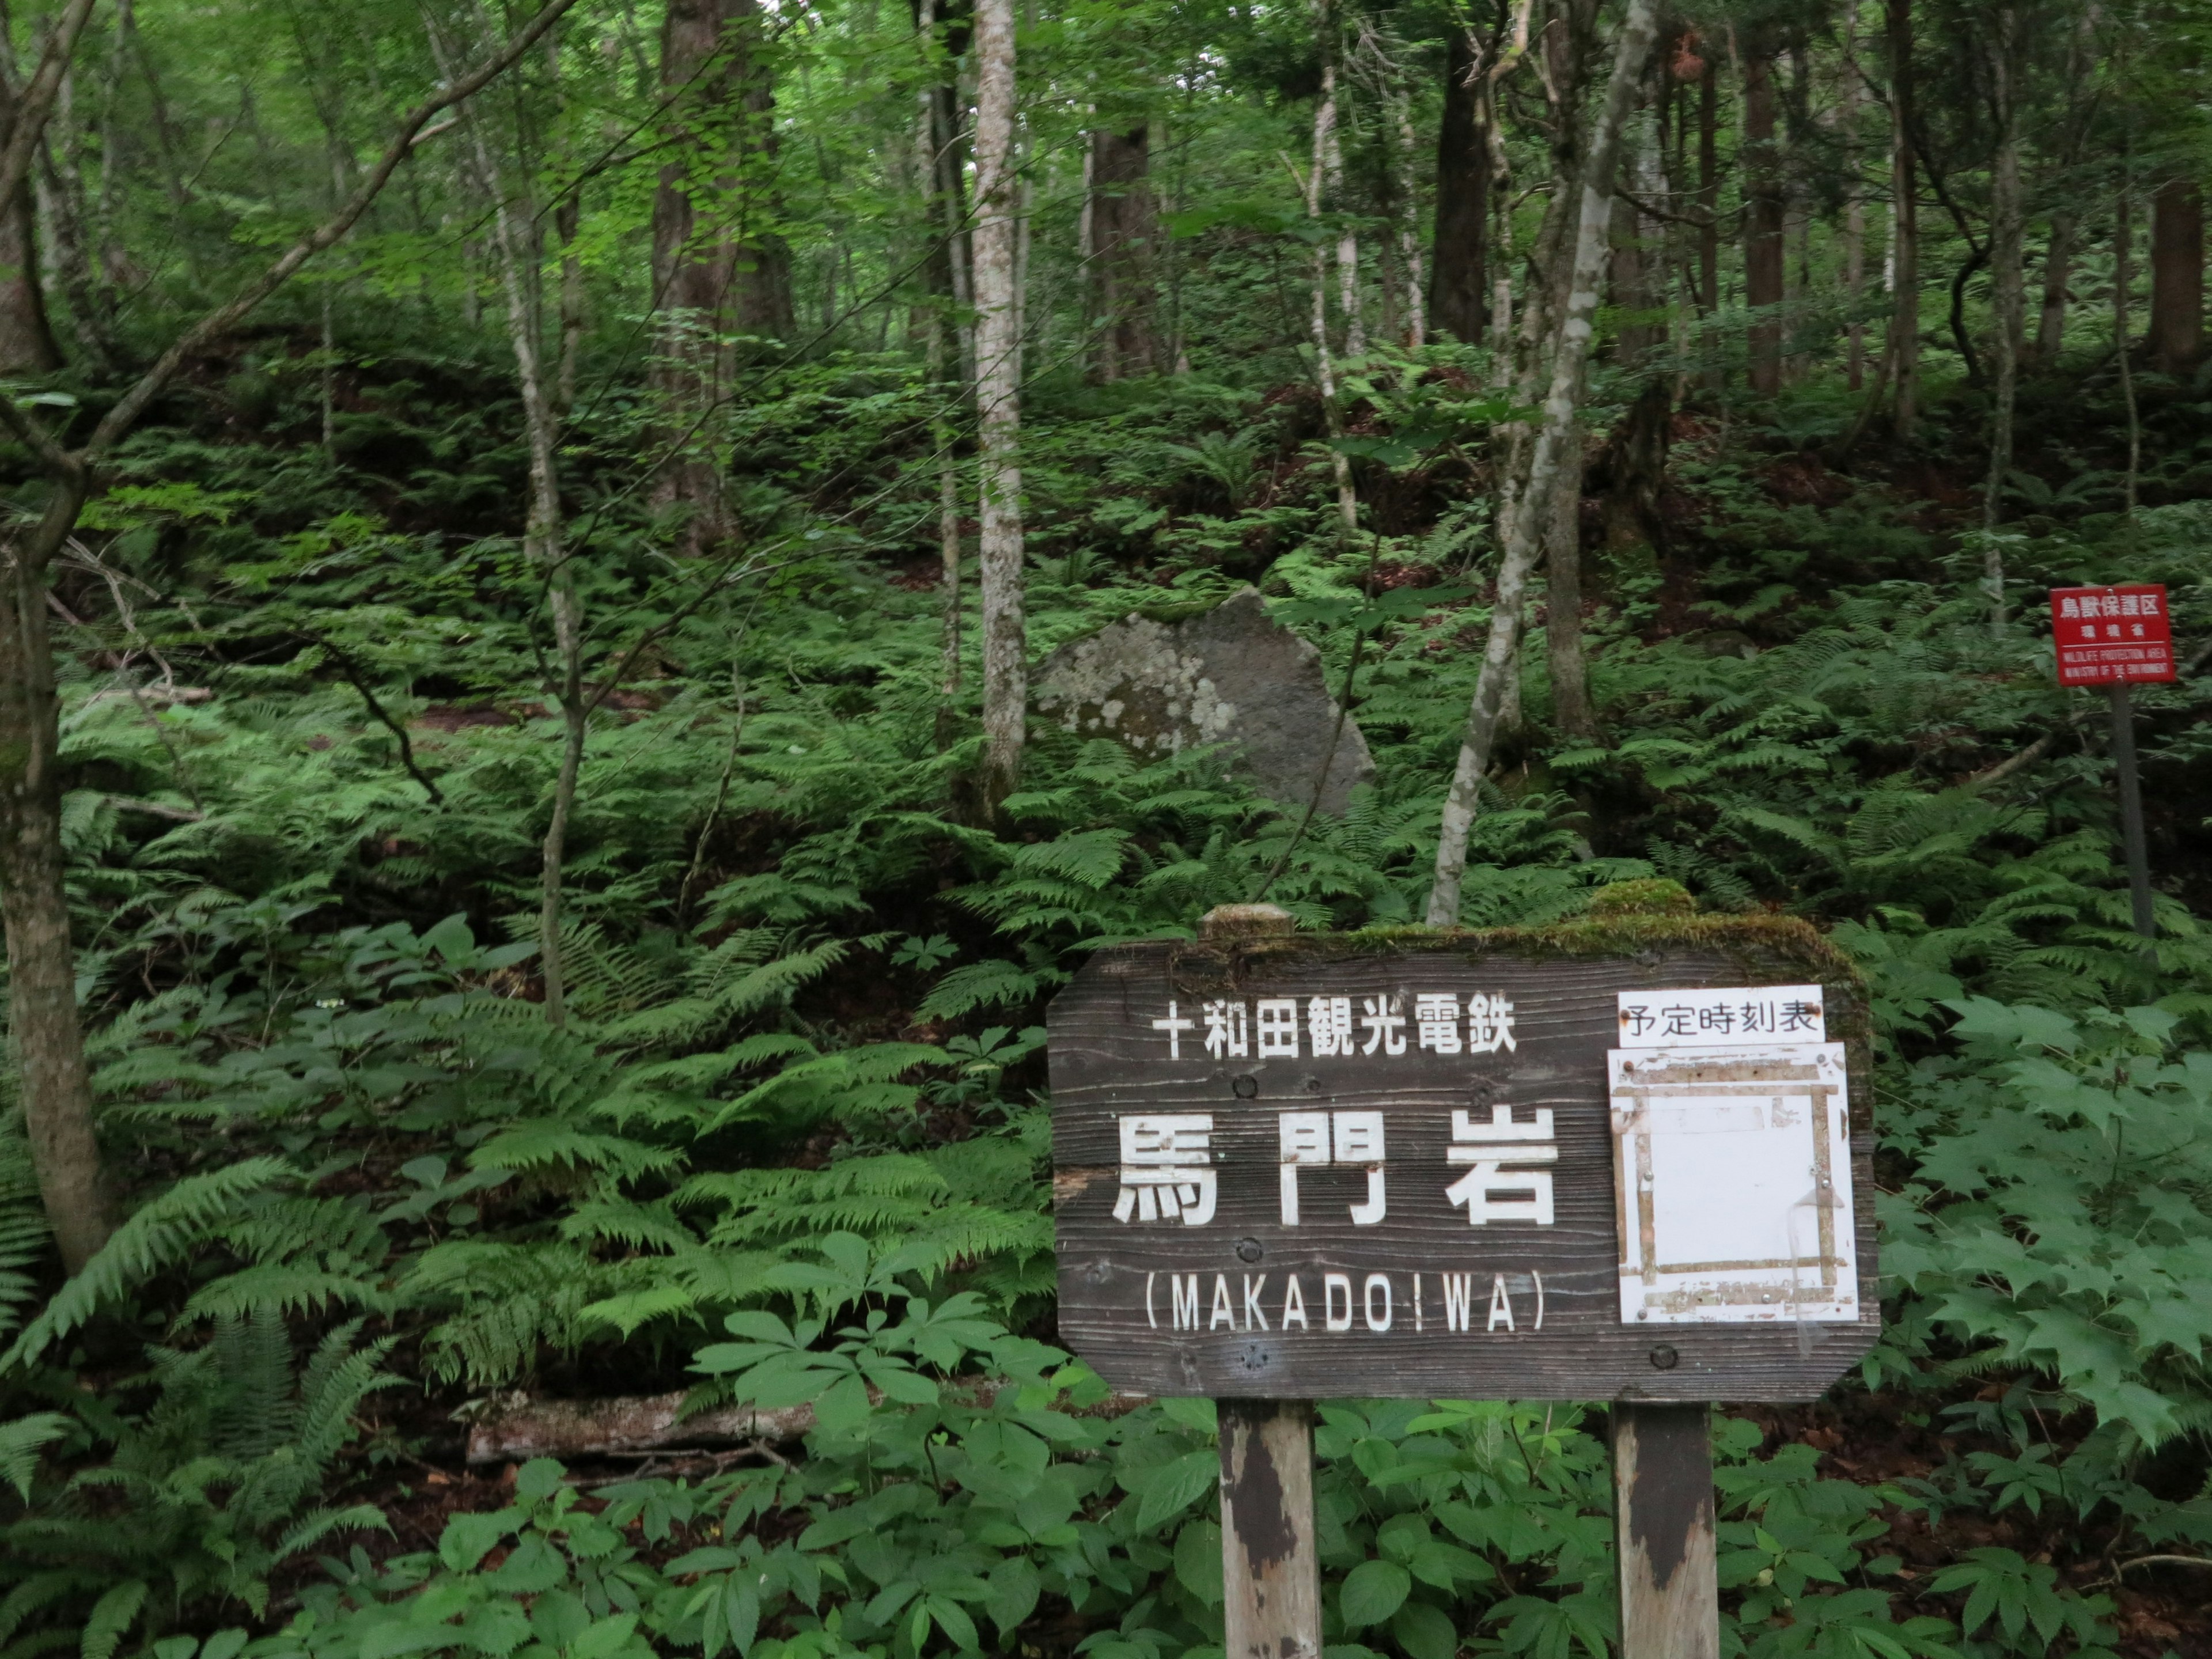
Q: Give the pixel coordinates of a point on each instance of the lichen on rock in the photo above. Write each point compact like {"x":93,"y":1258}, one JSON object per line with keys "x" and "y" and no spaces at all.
{"x":1227,"y":676}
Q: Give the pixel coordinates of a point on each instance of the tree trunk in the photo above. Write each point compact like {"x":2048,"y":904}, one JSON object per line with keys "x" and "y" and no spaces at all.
{"x":1637,"y":453}
{"x":1328,"y":170}
{"x":1456,"y":277}
{"x":716,"y":272}
{"x":2007,"y":282}
{"x":2175,"y":337}
{"x":2057,"y":269}
{"x":2124,"y":345}
{"x":2065,"y":219}
{"x":1324,"y":137}
{"x":933,"y":138}
{"x":1413,"y":329}
{"x":1854,"y":222}
{"x":1766,"y":255}
{"x":1709,"y":186}
{"x":54,"y":1083}
{"x":1563,"y":603}
{"x":998,"y":396}
{"x":64,"y":215}
{"x":27,"y":338}
{"x":1123,"y":233}
{"x":1904,"y":315}
{"x":520,"y":242}
{"x":1551,"y":264}
{"x":1558,"y":442}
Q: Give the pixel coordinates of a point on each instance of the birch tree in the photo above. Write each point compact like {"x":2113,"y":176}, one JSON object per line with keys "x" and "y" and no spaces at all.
{"x":520,"y":244}
{"x":1560,"y":434}
{"x":998,"y":399}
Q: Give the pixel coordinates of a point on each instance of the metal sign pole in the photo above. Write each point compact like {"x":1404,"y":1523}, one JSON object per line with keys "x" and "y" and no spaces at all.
{"x":2131,"y":818}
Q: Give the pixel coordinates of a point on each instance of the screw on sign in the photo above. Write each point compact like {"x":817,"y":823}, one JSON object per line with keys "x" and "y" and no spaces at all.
{"x":2113,"y":637}
{"x":1289,"y":1168}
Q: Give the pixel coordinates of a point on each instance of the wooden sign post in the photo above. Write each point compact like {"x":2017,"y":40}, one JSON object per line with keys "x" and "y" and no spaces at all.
{"x":2113,"y":637}
{"x":1609,"y":1160}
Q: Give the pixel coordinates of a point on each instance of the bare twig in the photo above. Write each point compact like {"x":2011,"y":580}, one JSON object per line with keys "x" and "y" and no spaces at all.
{"x":353,"y":676}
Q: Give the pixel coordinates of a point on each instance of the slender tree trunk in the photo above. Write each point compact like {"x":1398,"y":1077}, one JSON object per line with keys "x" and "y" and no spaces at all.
{"x":2065,"y":219}
{"x":520,"y":246}
{"x":1415,"y":323}
{"x":1560,"y":436}
{"x":1324,"y":135}
{"x":1709,"y":211}
{"x":568,"y":220}
{"x":933,"y":133}
{"x":27,"y":338}
{"x":1854,"y":217}
{"x":2058,"y":271}
{"x":64,"y":220}
{"x":1637,"y":451}
{"x":2124,"y":345}
{"x":1563,"y":603}
{"x":1766,"y":247}
{"x":2007,"y":280}
{"x":1455,"y":278}
{"x":1329,"y":168}
{"x":1550,"y":271}
{"x":716,"y":272}
{"x":1123,"y":232}
{"x":55,"y":1086}
{"x":1904,"y":315}
{"x":998,"y":396}
{"x":948,"y":519}
{"x":2174,"y":339}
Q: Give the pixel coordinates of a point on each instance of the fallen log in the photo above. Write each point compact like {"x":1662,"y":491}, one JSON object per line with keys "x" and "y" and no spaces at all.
{"x":517,"y":1427}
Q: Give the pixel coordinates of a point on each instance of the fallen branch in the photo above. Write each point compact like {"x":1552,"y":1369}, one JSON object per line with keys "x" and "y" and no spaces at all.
{"x":521,"y":1428}
{"x":2012,"y":763}
{"x":517,"y":1428}
{"x":131,"y":804}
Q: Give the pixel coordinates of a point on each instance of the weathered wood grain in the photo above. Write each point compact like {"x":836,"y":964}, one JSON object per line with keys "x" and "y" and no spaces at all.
{"x":1107,"y":1058}
{"x":1270,"y":1552}
{"x":1665,"y":1540}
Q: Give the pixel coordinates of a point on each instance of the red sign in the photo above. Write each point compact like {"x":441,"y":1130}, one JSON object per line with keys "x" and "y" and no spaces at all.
{"x":2108,"y":633}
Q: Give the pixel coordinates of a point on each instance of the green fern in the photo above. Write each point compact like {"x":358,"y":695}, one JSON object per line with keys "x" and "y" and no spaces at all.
{"x":158,"y":1236}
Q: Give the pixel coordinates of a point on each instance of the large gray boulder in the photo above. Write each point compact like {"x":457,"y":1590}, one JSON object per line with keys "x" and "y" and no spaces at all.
{"x":1226,"y":676}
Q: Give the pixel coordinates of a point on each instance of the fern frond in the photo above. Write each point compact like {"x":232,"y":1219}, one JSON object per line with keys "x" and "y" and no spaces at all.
{"x":978,"y":985}
{"x":20,"y":1442}
{"x":113,"y":1616}
{"x":158,"y":1237}
{"x":281,"y":1287}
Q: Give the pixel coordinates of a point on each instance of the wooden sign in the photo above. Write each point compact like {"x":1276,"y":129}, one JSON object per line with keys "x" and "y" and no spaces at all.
{"x":1443,"y":1167}
{"x":2105,"y":635}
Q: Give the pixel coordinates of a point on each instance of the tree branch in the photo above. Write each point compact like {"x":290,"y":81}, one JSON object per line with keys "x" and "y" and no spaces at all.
{"x":125,"y":414}
{"x":348,"y":671}
{"x":37,"y":103}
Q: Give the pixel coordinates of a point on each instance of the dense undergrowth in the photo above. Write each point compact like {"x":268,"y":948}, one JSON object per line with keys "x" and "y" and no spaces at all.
{"x":790,"y":1145}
